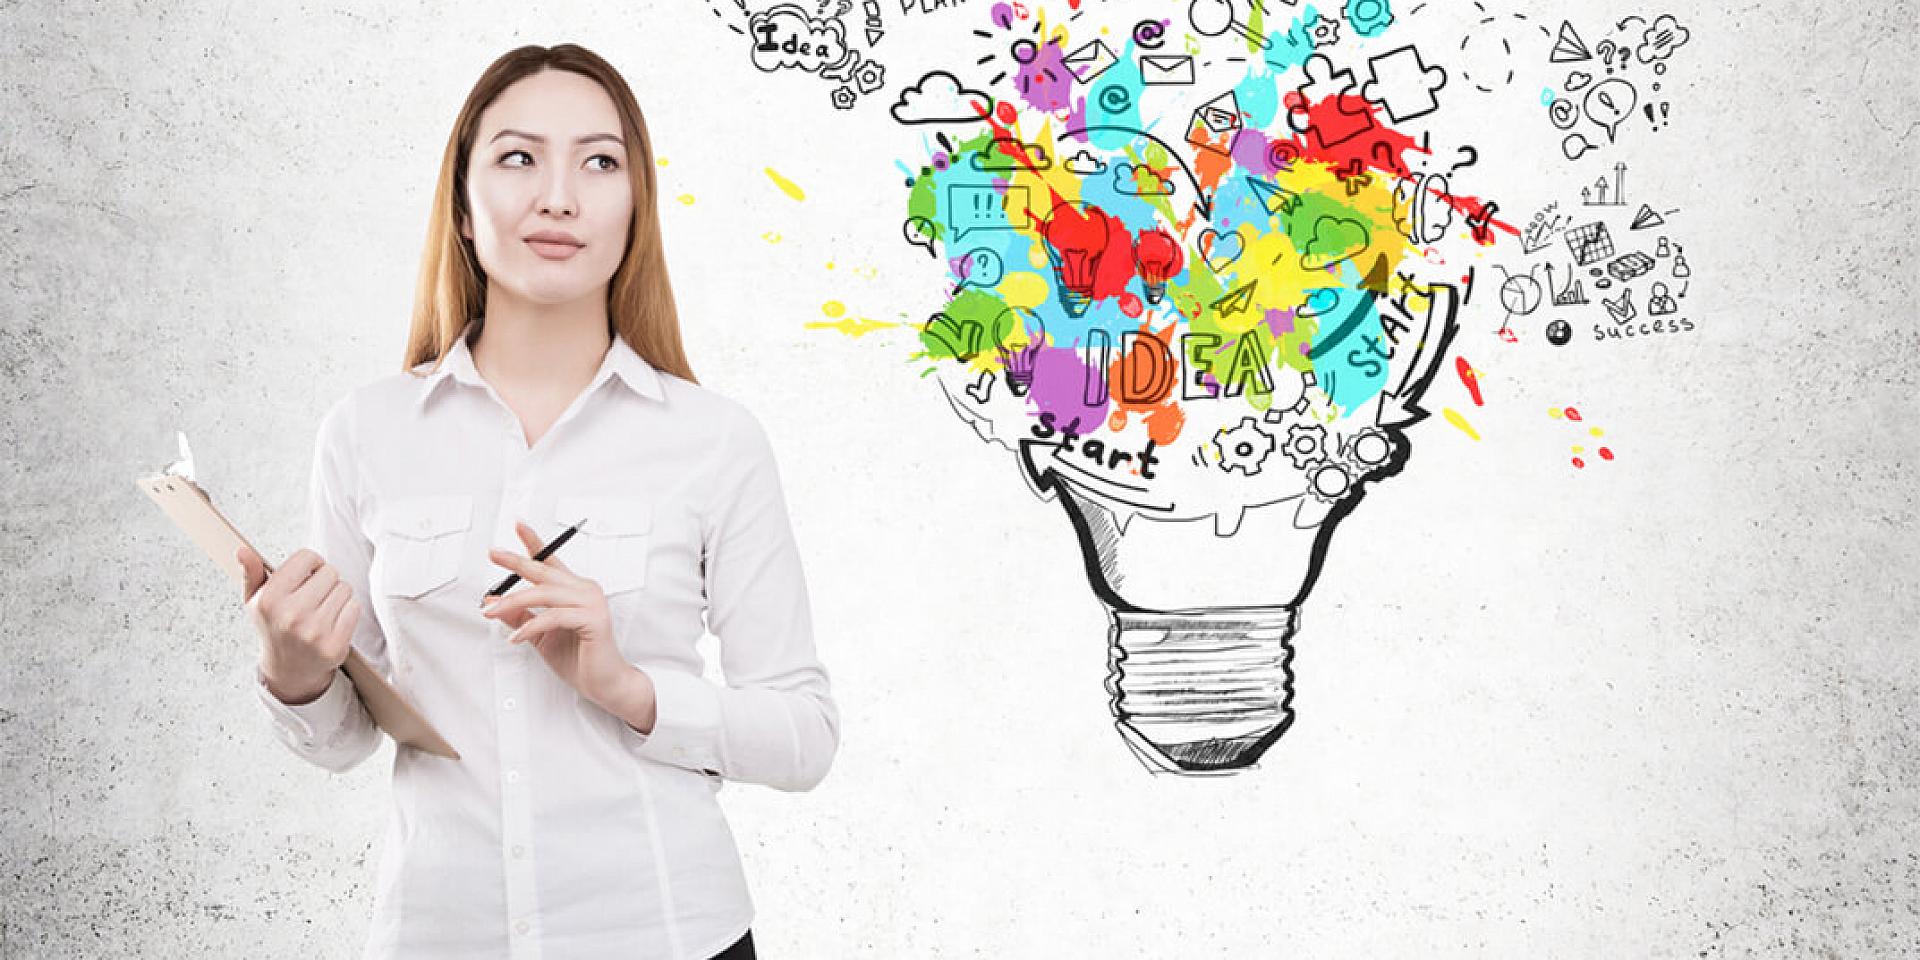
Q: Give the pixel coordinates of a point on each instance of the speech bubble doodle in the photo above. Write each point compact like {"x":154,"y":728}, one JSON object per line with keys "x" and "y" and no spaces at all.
{"x":1575,"y":145}
{"x":1609,"y":103}
{"x":981,"y":267}
{"x":919,"y":232}
{"x":985,"y":207}
{"x":786,"y":37}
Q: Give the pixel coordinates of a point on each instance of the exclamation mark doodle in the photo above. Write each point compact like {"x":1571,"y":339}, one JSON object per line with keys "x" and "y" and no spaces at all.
{"x":1572,"y":414}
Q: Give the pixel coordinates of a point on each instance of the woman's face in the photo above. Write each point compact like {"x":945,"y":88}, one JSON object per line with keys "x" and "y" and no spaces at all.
{"x":549,"y":158}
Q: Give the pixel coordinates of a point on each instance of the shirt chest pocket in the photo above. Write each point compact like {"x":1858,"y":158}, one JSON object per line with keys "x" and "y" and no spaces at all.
{"x":613,"y":547}
{"x":422,"y":542}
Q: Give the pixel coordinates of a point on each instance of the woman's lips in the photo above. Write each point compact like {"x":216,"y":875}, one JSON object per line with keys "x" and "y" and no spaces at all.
{"x":553,"y":251}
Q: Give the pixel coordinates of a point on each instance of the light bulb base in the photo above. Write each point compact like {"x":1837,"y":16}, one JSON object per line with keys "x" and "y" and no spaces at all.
{"x":1201,"y":692}
{"x":1020,"y":380}
{"x":1156,"y":292}
{"x":1073,"y":302}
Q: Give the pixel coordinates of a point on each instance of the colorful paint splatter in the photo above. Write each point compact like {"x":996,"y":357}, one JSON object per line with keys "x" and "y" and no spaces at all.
{"x":1239,"y":288}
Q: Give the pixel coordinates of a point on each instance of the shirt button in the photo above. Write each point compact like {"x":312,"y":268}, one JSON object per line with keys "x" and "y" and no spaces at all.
{"x":507,"y":703}
{"x":520,"y":927}
{"x":519,"y":851}
{"x":513,"y":776}
{"x":424,"y":524}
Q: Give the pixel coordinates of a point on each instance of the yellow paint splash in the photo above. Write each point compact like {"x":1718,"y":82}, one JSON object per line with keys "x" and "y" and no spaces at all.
{"x":687,"y":199}
{"x":660,"y":161}
{"x":771,"y":236}
{"x":833,"y":308}
{"x":1023,"y":291}
{"x":1454,"y":417}
{"x":786,"y":186}
{"x":852,"y":326}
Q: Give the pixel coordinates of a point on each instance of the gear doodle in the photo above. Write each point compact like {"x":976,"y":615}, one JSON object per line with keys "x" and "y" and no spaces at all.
{"x":1370,"y":449}
{"x":1330,"y":482}
{"x":1306,"y":444}
{"x":1369,"y":17}
{"x":1323,"y":31}
{"x":1244,"y":446}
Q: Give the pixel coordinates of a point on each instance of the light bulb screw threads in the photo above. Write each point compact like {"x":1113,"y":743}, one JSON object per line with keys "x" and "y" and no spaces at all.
{"x":1201,"y":692}
{"x":1073,"y":301}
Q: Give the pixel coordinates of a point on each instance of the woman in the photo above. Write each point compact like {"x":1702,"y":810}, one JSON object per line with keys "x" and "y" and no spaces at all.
{"x":545,"y":385}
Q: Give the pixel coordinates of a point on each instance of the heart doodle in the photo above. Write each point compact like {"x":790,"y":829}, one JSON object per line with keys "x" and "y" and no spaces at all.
{"x":1229,"y":245}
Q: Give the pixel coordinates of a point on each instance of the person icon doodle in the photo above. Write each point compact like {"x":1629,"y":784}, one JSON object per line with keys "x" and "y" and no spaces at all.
{"x":1660,"y":303}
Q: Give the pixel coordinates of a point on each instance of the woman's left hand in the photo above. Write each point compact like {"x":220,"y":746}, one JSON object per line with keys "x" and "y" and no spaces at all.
{"x":574,"y":633}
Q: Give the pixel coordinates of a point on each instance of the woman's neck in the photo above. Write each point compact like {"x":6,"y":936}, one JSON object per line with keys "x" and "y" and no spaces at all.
{"x":535,"y":348}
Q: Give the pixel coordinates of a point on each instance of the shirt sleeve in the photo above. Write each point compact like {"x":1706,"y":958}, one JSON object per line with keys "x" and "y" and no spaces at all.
{"x":334,"y":731}
{"x":775,"y":721}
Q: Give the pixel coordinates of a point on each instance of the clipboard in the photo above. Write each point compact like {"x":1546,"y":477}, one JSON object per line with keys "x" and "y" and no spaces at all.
{"x":177,"y":493}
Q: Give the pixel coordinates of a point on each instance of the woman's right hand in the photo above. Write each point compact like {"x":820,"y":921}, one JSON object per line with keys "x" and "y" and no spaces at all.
{"x":305,"y":615}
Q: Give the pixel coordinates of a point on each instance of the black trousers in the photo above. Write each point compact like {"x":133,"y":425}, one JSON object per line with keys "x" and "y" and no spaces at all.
{"x":742,"y":949}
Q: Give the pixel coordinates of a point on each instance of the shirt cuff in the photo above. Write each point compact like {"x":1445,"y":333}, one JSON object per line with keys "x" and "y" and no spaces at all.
{"x":326,"y":712}
{"x":686,"y":723}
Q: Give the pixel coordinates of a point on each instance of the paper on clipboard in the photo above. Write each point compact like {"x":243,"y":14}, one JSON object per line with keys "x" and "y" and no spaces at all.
{"x":187,"y":504}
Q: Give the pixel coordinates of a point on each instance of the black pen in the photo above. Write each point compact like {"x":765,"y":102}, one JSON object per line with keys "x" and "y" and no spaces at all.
{"x":545,"y":552}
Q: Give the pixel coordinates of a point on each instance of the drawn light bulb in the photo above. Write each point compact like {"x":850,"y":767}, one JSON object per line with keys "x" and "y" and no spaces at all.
{"x":1158,"y":257}
{"x":1205,"y":440}
{"x":1019,"y":356}
{"x":1075,"y":242}
{"x":1204,"y":604}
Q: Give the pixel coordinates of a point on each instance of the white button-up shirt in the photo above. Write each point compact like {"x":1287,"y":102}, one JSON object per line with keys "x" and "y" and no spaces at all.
{"x":562,"y":831}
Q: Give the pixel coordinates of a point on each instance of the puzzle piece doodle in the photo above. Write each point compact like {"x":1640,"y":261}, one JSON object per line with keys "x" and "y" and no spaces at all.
{"x":1341,"y":117}
{"x":1403,"y":84}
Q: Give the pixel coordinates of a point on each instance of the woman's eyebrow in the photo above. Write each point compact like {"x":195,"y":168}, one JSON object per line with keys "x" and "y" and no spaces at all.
{"x":536,"y":138}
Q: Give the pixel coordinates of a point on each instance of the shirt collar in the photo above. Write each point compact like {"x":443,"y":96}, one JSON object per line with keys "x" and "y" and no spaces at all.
{"x":620,"y":362}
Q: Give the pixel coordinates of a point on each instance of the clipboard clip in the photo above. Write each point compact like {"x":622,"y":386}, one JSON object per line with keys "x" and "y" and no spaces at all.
{"x":183,"y":467}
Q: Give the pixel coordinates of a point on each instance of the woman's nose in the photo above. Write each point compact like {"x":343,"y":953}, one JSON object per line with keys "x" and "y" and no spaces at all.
{"x":558,"y":196}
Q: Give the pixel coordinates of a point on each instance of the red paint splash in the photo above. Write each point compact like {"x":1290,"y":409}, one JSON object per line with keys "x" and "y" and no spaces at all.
{"x":1372,"y":144}
{"x":1470,"y":377}
{"x":1605,"y":454}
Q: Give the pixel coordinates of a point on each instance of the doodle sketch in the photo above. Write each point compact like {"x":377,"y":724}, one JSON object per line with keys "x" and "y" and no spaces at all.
{"x":1204,"y":259}
{"x":1194,"y":298}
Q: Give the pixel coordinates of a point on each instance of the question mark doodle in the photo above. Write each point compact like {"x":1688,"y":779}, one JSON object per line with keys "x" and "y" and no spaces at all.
{"x":1473,"y":157}
{"x":1385,"y":160}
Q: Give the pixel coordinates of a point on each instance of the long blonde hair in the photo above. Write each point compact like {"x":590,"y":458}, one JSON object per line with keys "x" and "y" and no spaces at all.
{"x":453,"y":289}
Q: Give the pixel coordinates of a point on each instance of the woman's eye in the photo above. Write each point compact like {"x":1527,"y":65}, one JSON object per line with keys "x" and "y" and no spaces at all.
{"x":523,"y":153}
{"x":612,"y":164}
